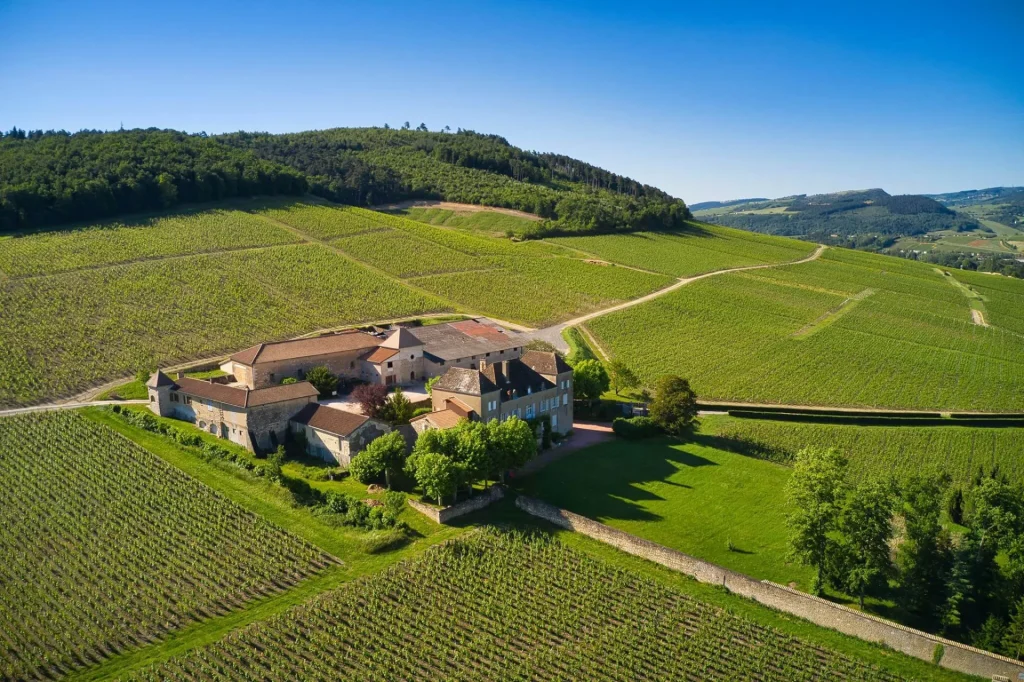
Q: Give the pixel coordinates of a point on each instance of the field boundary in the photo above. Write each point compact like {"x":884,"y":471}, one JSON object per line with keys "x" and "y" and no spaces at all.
{"x":955,"y":656}
{"x":831,"y":316}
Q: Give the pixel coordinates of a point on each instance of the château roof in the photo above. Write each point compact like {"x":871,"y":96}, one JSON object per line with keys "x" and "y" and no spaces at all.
{"x":302,"y":348}
{"x":545,"y":362}
{"x":401,"y":338}
{"x":330,"y":419}
{"x":243,"y":397}
{"x":158,"y":380}
{"x":466,"y":381}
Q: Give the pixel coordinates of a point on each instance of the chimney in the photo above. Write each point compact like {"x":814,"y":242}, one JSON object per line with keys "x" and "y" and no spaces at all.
{"x":179,"y":375}
{"x":483,"y":365}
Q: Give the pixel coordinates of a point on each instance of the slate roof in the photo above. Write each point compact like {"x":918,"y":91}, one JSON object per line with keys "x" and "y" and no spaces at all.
{"x":453,"y":341}
{"x":241,"y":397}
{"x":515,"y":379}
{"x":545,"y":362}
{"x":380,"y":355}
{"x":303,"y":348}
{"x":158,"y":379}
{"x":466,"y":381}
{"x":330,"y":419}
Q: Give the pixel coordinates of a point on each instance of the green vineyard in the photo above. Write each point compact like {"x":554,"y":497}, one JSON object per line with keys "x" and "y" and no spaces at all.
{"x":850,"y":328}
{"x":506,"y":606}
{"x":878,"y":451}
{"x":106,"y":547}
{"x":702,"y":248}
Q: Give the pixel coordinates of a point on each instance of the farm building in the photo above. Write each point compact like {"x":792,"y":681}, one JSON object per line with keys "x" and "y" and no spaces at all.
{"x":335,"y":435}
{"x":532,"y":386}
{"x":398,"y":357}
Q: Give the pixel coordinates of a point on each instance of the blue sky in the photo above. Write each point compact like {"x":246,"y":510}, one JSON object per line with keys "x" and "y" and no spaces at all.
{"x":709,"y":100}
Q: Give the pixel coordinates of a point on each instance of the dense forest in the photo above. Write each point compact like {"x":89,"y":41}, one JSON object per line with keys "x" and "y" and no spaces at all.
{"x":871,"y":211}
{"x":53,"y":177}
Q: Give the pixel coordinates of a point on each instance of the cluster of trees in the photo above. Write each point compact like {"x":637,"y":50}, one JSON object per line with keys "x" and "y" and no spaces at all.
{"x":445,"y":461}
{"x":967,"y":584}
{"x":1004,"y":265}
{"x":377,"y":403}
{"x":53,"y":177}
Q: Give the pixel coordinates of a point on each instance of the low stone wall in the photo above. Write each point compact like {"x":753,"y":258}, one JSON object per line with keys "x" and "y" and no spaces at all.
{"x":960,"y":657}
{"x":446,"y":514}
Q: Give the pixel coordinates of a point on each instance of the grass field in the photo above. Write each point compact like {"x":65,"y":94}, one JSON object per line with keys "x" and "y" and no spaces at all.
{"x":702,"y":248}
{"x":499,"y":605}
{"x":878,"y":451}
{"x":693,"y":496}
{"x":1001,"y":297}
{"x":774,"y":336}
{"x":106,"y":547}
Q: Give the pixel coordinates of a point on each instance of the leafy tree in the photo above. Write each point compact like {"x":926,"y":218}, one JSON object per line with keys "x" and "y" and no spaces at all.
{"x":865,"y":528}
{"x":955,"y":506}
{"x":371,"y":398}
{"x":510,"y":445}
{"x":674,"y":405}
{"x":384,"y":455}
{"x":622,"y":377}
{"x":436,"y":475}
{"x":143,"y":375}
{"x":589,"y":379}
{"x":430,"y":384}
{"x":972,"y":579}
{"x":815,"y":491}
{"x":322,"y":379}
{"x":288,"y":381}
{"x":539,"y":344}
{"x":397,"y":409}
{"x":990,"y":636}
{"x":1013,"y":639}
{"x":925,"y":556}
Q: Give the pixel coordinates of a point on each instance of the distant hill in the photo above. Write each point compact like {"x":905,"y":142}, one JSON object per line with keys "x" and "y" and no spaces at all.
{"x":842,"y":214}
{"x":723,"y":204}
{"x":53,"y":177}
{"x":977,"y":196}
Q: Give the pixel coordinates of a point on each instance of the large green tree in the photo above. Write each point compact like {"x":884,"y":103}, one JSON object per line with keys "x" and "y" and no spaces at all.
{"x":323,"y":380}
{"x":621,"y":376}
{"x":925,"y":555}
{"x":674,"y":405}
{"x":815,"y":492}
{"x":589,"y":380}
{"x":384,"y":455}
{"x":865,"y":529}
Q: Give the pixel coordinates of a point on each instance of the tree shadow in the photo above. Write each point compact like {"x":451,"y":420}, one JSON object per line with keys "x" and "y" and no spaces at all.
{"x":603,"y":482}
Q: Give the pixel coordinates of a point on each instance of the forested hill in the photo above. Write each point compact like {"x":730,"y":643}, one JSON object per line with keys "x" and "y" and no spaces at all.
{"x":54,"y":177}
{"x":843,"y":214}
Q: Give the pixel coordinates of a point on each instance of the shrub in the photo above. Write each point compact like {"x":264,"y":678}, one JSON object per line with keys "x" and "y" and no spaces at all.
{"x":674,"y":407}
{"x":288,"y":381}
{"x":371,"y":398}
{"x":635,"y":428}
{"x":323,"y":381}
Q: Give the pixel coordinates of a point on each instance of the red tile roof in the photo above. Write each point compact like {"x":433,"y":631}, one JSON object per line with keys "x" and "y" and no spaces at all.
{"x":330,"y":419}
{"x":380,"y":355}
{"x":442,"y":419}
{"x":304,"y":348}
{"x":474,"y":328}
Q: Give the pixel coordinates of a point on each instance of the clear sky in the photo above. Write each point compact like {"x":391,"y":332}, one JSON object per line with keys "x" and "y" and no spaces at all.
{"x":708,"y":100}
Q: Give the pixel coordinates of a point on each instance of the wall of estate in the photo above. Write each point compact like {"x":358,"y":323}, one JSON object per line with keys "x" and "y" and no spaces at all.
{"x":956,"y":656}
{"x":493,"y":494}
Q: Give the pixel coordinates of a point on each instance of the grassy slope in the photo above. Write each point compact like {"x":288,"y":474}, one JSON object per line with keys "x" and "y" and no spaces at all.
{"x":690,"y":496}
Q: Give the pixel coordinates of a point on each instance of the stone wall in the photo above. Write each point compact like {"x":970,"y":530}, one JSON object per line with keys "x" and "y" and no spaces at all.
{"x":960,"y":657}
{"x":446,"y":514}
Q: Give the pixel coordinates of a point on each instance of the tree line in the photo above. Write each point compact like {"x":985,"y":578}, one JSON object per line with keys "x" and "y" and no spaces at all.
{"x":950,"y":558}
{"x":55,"y":177}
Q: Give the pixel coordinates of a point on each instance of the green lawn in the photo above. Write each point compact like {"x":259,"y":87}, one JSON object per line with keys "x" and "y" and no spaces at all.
{"x":690,"y":496}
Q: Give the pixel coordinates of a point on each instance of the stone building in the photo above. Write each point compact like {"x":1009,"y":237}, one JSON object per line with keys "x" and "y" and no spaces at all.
{"x":534,"y":385}
{"x":398,"y":359}
{"x":256,"y":419}
{"x":335,"y":435}
{"x":267,"y":364}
